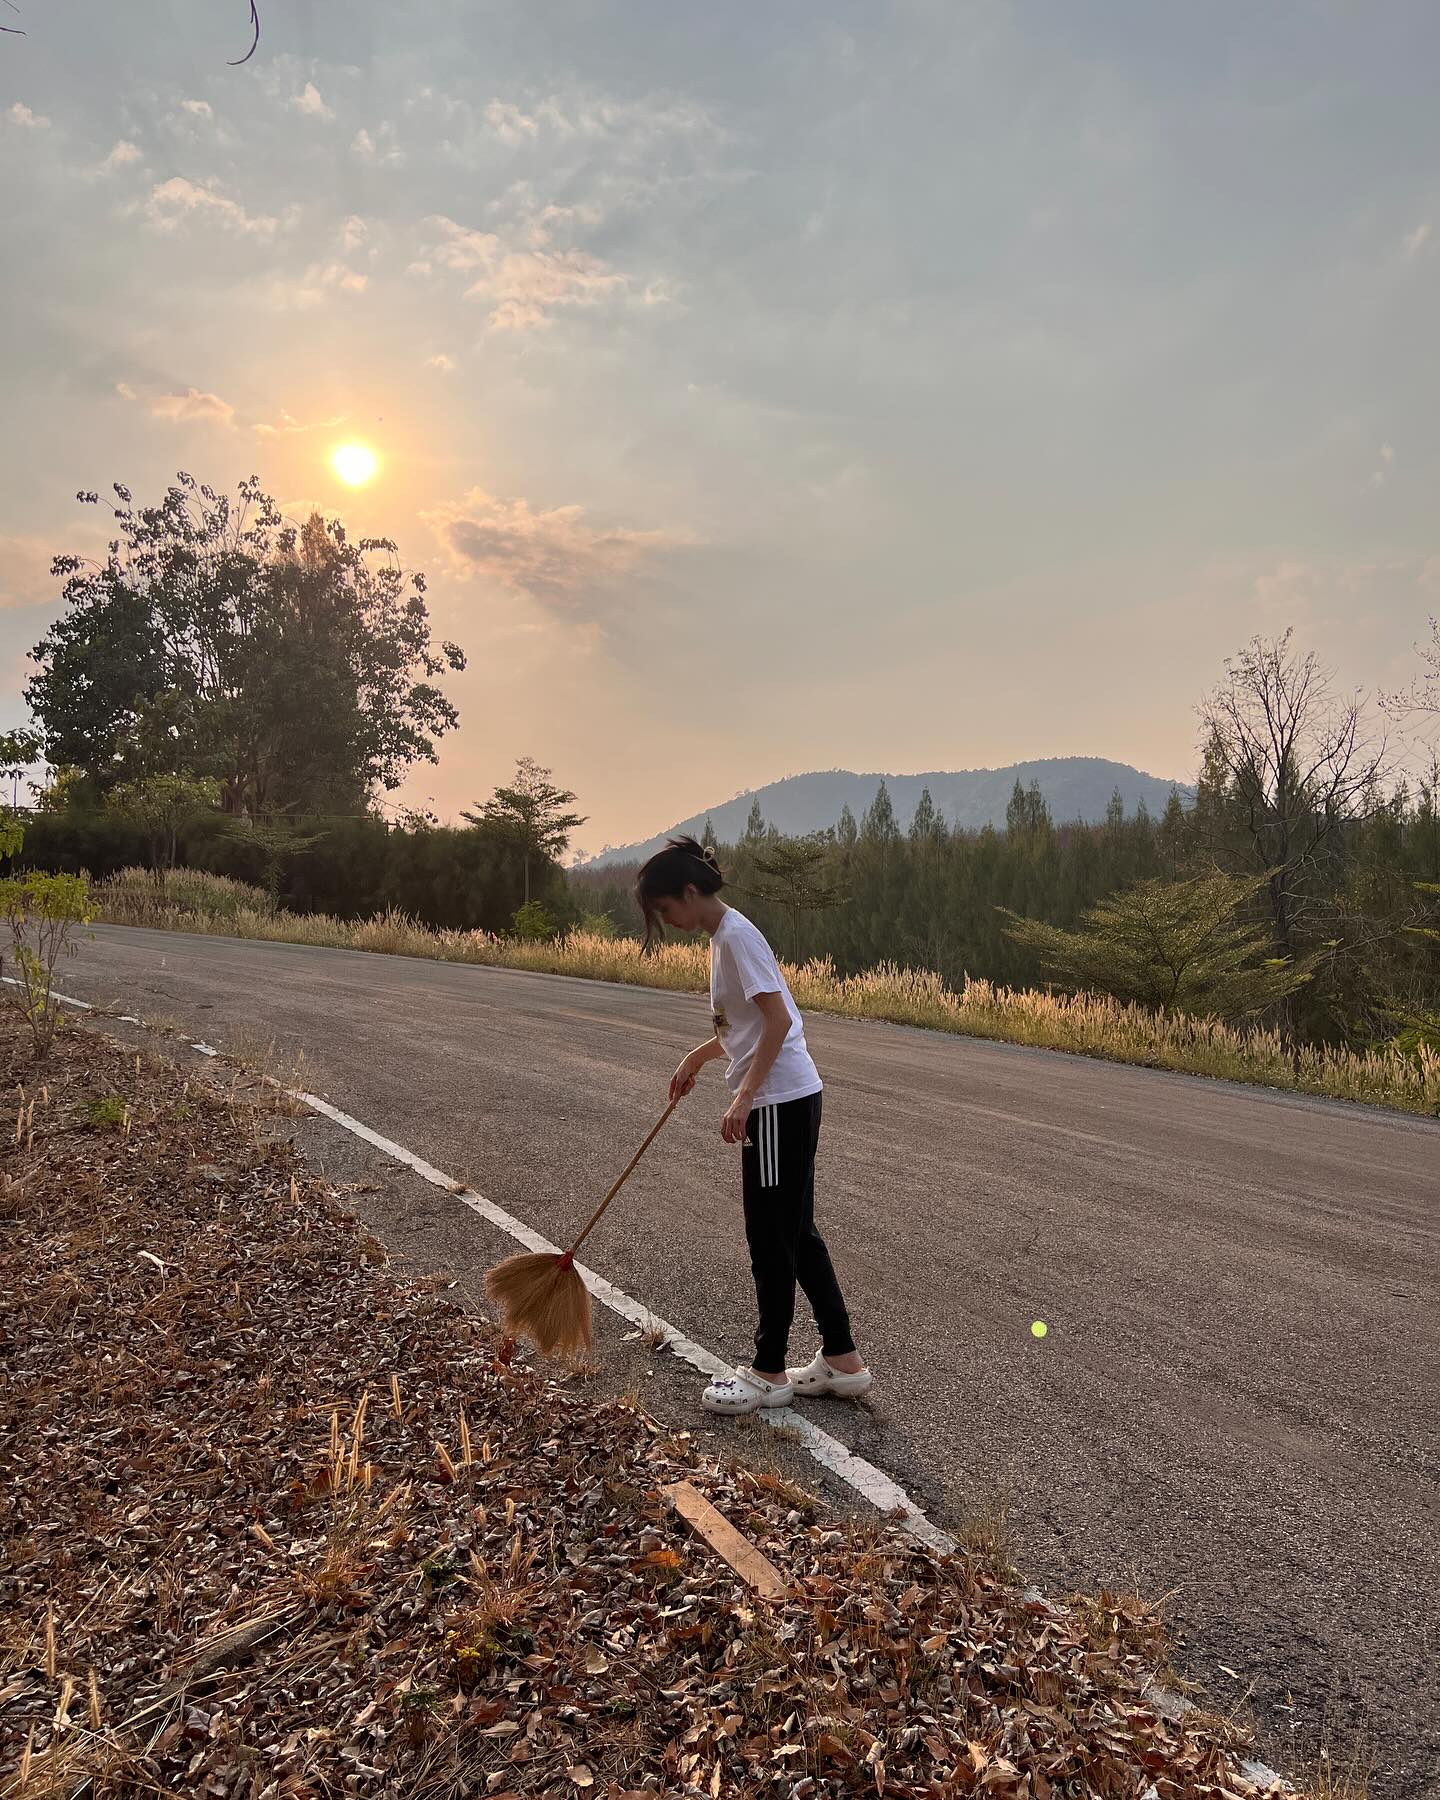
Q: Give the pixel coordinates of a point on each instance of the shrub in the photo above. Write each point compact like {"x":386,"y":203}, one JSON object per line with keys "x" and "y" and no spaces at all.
{"x":108,"y":1114}
{"x":532,"y":924}
{"x":42,"y":912}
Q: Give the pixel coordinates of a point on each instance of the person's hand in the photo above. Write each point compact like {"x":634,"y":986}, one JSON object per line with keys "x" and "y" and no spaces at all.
{"x":685,"y":1076}
{"x":737,"y":1116}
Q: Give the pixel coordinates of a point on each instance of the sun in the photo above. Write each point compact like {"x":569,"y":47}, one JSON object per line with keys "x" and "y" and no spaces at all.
{"x":355,"y":464}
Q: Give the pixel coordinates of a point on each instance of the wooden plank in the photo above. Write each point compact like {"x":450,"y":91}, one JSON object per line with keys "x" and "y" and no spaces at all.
{"x":753,"y":1568}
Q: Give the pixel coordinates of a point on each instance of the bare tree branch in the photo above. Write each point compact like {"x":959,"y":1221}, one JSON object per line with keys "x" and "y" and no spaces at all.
{"x":255,"y":44}
{"x":1423,"y":695}
{"x":1298,"y":763}
{"x":15,"y":31}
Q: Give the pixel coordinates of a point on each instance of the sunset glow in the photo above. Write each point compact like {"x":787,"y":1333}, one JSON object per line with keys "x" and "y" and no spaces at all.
{"x":355,"y":464}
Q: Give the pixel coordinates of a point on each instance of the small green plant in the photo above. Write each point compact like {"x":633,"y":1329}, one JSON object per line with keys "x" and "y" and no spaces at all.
{"x":533,"y":924}
{"x":108,"y":1114}
{"x":42,"y":912}
{"x":439,"y":1571}
{"x":599,"y":925}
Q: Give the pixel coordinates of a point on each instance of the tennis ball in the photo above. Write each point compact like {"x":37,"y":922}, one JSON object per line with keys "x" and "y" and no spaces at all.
{"x":1039,"y":1328}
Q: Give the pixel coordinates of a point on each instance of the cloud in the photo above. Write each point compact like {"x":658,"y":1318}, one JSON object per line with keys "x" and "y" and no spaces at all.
{"x":446,"y":364}
{"x":309,"y":101}
{"x":317,"y":284}
{"x":379,"y":147}
{"x":177,"y":200}
{"x":638,"y":121}
{"x":181,"y":409}
{"x":25,"y":578}
{"x":554,"y":557}
{"x":289,"y":426}
{"x":529,"y":284}
{"x":463,"y":248}
{"x":202,"y":109}
{"x":523,"y":287}
{"x":123,"y":153}
{"x":1414,"y":241}
{"x":509,"y":124}
{"x":353,"y":233}
{"x":21,"y":115}
{"x":1387,"y":457}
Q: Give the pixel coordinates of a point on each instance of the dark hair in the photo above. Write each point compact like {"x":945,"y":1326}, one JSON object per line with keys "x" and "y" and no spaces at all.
{"x":682,"y":863}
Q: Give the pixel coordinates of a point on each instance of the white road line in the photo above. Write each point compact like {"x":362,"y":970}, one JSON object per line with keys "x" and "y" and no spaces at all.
{"x":69,"y":999}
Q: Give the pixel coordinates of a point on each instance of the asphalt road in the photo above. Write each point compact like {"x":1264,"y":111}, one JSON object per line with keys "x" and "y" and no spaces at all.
{"x":1238,"y":1400}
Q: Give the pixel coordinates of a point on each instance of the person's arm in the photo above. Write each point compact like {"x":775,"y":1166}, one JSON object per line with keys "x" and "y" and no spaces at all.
{"x":776,"y":1029}
{"x":691,"y":1064}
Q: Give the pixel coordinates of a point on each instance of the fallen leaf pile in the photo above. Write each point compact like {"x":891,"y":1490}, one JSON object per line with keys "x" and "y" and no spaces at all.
{"x":280,"y":1522}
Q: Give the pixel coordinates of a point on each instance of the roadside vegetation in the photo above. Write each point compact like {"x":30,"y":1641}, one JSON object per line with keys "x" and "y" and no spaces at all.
{"x":1088,"y":1024}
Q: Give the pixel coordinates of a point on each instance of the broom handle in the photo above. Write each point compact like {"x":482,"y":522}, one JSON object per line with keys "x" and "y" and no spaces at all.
{"x":600,"y":1210}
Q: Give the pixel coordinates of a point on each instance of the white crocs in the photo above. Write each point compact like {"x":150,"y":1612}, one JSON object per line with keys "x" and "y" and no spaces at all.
{"x":820,"y":1378}
{"x":745,"y":1392}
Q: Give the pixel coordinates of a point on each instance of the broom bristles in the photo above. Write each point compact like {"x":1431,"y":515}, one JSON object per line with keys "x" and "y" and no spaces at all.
{"x":541,"y":1297}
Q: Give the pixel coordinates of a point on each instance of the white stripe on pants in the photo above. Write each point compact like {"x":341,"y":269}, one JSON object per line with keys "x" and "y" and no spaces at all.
{"x":768,"y":1141}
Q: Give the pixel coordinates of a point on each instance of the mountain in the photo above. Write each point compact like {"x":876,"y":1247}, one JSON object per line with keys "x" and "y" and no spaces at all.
{"x":1075,"y":787}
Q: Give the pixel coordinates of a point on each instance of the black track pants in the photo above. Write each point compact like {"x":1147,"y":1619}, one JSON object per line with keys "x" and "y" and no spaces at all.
{"x":778,"y":1166}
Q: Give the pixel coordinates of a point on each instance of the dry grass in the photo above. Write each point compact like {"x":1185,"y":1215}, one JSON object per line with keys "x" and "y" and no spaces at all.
{"x":1085,"y":1024}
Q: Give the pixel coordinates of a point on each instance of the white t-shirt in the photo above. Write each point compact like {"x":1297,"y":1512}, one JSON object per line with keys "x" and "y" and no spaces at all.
{"x":743,"y":965}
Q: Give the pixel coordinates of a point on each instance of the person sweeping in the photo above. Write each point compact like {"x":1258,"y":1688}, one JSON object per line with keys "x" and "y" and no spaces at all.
{"x":774,"y":1114}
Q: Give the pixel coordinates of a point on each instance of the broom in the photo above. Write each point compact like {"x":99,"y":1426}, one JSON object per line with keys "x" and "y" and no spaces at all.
{"x":542,"y":1296}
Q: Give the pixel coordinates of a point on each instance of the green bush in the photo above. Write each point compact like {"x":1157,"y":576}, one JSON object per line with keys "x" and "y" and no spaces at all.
{"x":532,"y":924}
{"x":42,"y":912}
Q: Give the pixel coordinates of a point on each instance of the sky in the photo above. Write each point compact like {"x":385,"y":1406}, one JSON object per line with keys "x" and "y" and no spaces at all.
{"x":905,"y":385}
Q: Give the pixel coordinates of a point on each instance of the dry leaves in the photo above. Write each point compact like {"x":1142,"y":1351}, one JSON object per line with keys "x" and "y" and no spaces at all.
{"x":283,"y":1525}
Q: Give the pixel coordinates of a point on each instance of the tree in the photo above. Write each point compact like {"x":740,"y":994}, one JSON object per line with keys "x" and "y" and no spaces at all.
{"x":1295,"y":766}
{"x":754,"y":824}
{"x":708,"y":840}
{"x":219,"y":640}
{"x":18,"y":750}
{"x":533,"y":810}
{"x":1027,"y":812}
{"x":879,"y":825}
{"x":926,"y":824}
{"x":160,"y":805}
{"x":277,"y":842}
{"x":794,"y":875}
{"x":1423,"y":695}
{"x":1171,"y":836}
{"x":1179,"y":946}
